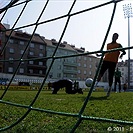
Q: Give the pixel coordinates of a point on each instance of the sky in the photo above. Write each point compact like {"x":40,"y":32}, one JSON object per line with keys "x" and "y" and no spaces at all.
{"x":85,"y":30}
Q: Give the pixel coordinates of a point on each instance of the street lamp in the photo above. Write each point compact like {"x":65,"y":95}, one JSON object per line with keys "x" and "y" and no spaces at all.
{"x":127,"y":14}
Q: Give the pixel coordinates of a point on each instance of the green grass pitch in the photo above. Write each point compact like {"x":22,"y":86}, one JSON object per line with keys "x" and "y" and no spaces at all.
{"x":117,"y":106}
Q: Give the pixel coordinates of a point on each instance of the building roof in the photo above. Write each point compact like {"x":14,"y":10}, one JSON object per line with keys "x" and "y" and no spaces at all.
{"x":25,"y":36}
{"x":54,"y":43}
{"x":82,"y":51}
{"x":122,"y":64}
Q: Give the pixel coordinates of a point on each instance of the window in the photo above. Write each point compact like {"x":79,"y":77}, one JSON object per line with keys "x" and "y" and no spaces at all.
{"x":65,"y":75}
{"x":22,"y":62}
{"x":73,"y":61}
{"x":84,"y":58}
{"x":90,"y":73}
{"x":59,"y":60}
{"x":49,"y":49}
{"x":11,"y":60}
{"x":11,"y":41}
{"x":66,"y":60}
{"x":0,"y":35}
{"x":72,"y":76}
{"x":85,"y":72}
{"x":65,"y":52}
{"x":10,"y":69}
{"x":11,"y":50}
{"x":21,"y":52}
{"x":30,"y":70}
{"x":79,"y":78}
{"x":79,"y":57}
{"x":79,"y":64}
{"x":59,"y":75}
{"x":85,"y":65}
{"x":50,"y":75}
{"x":40,"y":63}
{"x":32,"y":45}
{"x":59,"y":67}
{"x":41,"y":55}
{"x":31,"y":62}
{"x":40,"y":72}
{"x":31,"y":53}
{"x":41,"y":47}
{"x":79,"y":71}
{"x":22,"y":42}
{"x":21,"y":70}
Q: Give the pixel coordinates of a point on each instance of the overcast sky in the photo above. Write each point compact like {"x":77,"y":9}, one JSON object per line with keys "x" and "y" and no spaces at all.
{"x":86,"y":30}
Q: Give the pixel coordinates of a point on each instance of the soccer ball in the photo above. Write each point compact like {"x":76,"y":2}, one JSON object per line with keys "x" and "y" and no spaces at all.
{"x":88,"y":82}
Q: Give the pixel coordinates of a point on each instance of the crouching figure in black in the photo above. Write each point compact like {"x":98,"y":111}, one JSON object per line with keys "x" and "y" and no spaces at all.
{"x":70,"y":87}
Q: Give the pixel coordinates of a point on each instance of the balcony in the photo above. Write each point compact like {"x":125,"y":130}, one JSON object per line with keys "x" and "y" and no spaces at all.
{"x":70,"y":64}
{"x":70,"y":71}
{"x":36,"y":66}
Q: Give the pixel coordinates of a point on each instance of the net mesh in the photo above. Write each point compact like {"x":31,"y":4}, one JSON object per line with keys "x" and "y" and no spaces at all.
{"x":34,"y":25}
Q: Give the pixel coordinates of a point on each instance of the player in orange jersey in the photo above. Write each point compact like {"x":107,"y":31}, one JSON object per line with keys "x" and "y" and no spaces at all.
{"x":110,"y":61}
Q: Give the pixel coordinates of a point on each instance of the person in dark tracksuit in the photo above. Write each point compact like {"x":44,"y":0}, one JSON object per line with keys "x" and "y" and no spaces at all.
{"x":118,"y":76}
{"x":64,"y":83}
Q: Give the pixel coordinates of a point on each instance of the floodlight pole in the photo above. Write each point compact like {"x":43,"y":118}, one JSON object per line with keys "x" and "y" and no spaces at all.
{"x":127,"y":14}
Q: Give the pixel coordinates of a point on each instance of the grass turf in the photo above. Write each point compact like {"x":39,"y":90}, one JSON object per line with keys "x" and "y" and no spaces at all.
{"x":117,"y":106}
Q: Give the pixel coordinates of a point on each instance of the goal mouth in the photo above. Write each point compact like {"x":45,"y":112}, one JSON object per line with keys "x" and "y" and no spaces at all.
{"x":5,"y":4}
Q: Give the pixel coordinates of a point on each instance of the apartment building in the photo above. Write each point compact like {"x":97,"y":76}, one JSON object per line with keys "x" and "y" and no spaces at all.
{"x":61,"y":67}
{"x":131,"y":72}
{"x":123,"y":66}
{"x":18,"y":47}
{"x":2,"y":40}
{"x":87,"y":64}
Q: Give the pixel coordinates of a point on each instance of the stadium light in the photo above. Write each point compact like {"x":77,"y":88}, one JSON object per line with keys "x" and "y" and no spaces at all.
{"x":127,"y":8}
